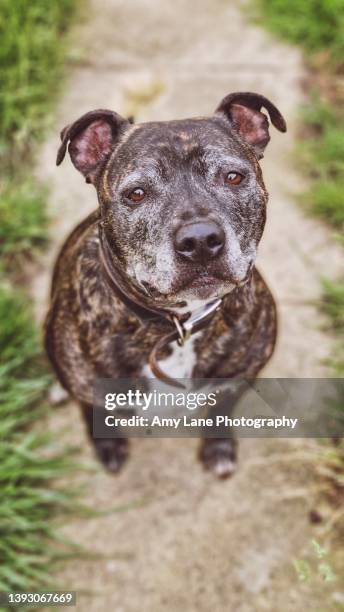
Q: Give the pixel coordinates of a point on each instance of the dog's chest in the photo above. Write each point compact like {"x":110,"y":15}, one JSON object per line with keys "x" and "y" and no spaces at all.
{"x":180,"y":363}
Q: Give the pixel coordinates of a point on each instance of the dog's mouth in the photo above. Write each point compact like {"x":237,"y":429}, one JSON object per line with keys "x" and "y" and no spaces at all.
{"x":197,"y":284}
{"x":204,"y":286}
{"x":201,"y":286}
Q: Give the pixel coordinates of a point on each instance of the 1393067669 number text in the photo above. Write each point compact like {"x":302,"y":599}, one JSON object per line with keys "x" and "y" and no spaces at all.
{"x":19,"y":598}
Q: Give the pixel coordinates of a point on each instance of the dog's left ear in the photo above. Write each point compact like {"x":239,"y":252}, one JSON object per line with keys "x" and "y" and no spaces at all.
{"x":243,"y":111}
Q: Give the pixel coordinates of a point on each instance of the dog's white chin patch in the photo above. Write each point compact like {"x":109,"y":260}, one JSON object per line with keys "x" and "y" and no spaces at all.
{"x":182,"y":360}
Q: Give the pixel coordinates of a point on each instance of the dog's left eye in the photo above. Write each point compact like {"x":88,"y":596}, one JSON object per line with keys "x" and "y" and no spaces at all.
{"x":233,"y":178}
{"x":136,"y":195}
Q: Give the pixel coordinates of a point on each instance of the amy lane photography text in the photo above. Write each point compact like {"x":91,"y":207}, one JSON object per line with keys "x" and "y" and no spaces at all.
{"x":186,"y":421}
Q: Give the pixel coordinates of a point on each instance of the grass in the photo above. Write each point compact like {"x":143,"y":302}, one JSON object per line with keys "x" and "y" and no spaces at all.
{"x":23,"y":228}
{"x":31,"y":502}
{"x":28,"y":456}
{"x":31,"y":55}
{"x":322,"y":157}
{"x":333,"y":306}
{"x":315,"y":25}
{"x":32,"y":51}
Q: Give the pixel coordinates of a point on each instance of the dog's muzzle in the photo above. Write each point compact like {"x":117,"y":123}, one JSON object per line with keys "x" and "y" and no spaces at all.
{"x":183,"y":326}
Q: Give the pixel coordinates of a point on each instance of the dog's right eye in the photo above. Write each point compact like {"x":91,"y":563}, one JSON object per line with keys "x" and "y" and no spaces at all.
{"x":233,"y":178}
{"x":136,"y":195}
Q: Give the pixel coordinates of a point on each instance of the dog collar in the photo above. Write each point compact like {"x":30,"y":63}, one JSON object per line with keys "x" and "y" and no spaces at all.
{"x":184,"y":325}
{"x":182,"y":332}
{"x":196,"y":320}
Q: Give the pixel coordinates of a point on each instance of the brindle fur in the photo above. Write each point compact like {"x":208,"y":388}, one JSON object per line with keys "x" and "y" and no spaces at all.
{"x":90,"y":333}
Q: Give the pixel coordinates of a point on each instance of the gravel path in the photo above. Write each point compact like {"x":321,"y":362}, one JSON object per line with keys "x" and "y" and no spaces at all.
{"x":181,"y":540}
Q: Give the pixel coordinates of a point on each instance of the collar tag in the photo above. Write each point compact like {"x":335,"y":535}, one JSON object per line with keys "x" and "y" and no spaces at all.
{"x":186,"y":329}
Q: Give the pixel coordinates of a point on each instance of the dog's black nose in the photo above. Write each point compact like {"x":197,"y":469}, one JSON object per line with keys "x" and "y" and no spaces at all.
{"x":199,"y":241}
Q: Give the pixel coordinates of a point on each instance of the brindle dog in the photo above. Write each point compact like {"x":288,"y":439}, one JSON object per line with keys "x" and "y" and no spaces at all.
{"x":182,"y":207}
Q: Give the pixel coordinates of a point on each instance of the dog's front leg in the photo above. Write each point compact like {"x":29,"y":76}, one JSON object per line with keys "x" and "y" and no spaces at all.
{"x":219,"y":454}
{"x":112,"y":452}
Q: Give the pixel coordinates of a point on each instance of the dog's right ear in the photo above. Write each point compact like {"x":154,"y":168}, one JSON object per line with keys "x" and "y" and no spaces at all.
{"x":91,"y":140}
{"x":243,"y":110}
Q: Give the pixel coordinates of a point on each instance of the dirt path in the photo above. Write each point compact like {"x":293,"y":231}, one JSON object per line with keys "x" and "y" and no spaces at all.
{"x":195,"y":543}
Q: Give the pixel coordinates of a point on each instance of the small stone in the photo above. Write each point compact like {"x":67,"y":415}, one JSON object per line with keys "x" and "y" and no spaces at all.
{"x":315,"y":517}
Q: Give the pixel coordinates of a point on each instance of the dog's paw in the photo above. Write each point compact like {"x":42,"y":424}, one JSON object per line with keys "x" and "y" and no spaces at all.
{"x":112,"y":452}
{"x":219,"y":456}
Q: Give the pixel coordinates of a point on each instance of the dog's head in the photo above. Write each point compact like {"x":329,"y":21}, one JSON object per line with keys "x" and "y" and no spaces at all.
{"x":182,"y":202}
